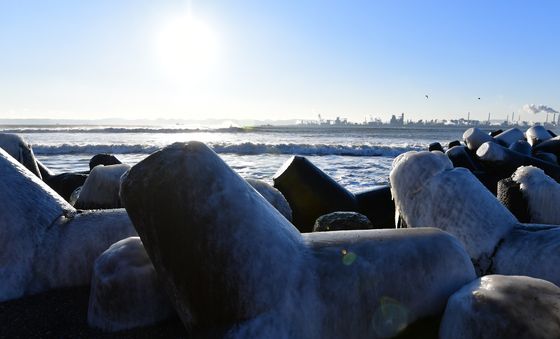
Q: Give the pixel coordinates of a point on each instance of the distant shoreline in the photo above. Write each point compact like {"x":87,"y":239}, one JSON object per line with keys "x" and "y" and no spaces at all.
{"x":244,"y":124}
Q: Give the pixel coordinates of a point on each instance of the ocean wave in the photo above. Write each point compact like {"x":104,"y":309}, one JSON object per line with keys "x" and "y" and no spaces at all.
{"x":247,"y":148}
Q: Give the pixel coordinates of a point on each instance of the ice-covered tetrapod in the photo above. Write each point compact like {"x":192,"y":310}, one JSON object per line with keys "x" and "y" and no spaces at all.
{"x":474,"y":137}
{"x":20,"y":150}
{"x":125,"y":292}
{"x":503,"y":307}
{"x":505,"y":161}
{"x":230,"y":261}
{"x":541,"y":194}
{"x":101,"y":188}
{"x":428,"y":192}
{"x":45,"y":242}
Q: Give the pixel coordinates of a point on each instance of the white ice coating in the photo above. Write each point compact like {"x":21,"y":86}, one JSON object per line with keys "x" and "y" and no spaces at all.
{"x":535,"y":134}
{"x":474,"y":137}
{"x":273,"y":196}
{"x":532,"y":250}
{"x":45,"y":243}
{"x":366,"y":284}
{"x":498,"y":306}
{"x":510,"y":136}
{"x":125,"y":292}
{"x":428,"y":193}
{"x":20,"y":150}
{"x":541,"y":192}
{"x":492,"y":152}
{"x":101,"y":188}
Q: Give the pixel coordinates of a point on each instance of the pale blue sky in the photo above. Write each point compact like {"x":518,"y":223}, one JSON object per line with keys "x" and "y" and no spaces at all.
{"x":278,"y":60}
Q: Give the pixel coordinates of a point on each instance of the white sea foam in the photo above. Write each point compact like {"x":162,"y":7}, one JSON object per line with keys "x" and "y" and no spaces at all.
{"x":357,"y":158}
{"x":245,"y":148}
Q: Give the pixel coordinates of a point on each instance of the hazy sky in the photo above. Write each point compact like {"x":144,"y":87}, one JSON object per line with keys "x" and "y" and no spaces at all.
{"x":278,"y":59}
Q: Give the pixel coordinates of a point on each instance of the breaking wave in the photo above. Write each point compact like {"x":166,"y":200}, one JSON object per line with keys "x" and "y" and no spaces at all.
{"x":247,"y":148}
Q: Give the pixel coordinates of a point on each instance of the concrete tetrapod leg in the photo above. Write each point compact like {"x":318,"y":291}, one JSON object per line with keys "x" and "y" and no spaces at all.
{"x":521,"y":146}
{"x":101,"y":188}
{"x":541,"y":194}
{"x":509,"y":136}
{"x":532,"y":250}
{"x":503,"y":307}
{"x":503,"y":160}
{"x":548,"y":157}
{"x":64,"y":183}
{"x":20,"y":150}
{"x":125,"y":292}
{"x":474,"y":137}
{"x":230,"y":261}
{"x":311,"y":192}
{"x":45,"y":242}
{"x":273,"y":196}
{"x":531,"y":195}
{"x":429,"y":192}
{"x":461,"y":156}
{"x":537,"y":134}
{"x":377,"y":204}
{"x":423,"y":185}
{"x":550,"y":145}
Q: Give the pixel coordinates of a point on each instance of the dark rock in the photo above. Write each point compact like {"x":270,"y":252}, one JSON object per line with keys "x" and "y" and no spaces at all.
{"x":453,"y":144}
{"x":511,"y":197}
{"x":103,"y":159}
{"x":342,"y":221}
{"x":435,"y":146}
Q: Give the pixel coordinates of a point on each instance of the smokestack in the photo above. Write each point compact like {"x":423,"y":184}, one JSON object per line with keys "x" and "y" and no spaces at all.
{"x":538,"y":108}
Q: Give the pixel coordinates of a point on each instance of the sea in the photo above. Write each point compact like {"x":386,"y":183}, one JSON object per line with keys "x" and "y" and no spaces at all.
{"x":356,"y":157}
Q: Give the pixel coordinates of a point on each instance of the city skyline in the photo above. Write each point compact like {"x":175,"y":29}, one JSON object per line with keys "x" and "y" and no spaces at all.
{"x":285,"y":60}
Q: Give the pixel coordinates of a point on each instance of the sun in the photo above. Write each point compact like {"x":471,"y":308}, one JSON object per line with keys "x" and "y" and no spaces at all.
{"x":186,"y":48}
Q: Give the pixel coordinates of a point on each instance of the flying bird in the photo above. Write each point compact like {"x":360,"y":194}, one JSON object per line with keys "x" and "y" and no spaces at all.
{"x":426,"y":96}
{"x":478,"y":98}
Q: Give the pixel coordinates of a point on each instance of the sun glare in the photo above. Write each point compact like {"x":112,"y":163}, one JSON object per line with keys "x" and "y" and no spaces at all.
{"x":186,"y":48}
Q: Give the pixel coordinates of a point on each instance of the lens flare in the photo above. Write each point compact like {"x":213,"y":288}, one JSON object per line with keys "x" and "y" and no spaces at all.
{"x":348,"y":257}
{"x":390,"y":317}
